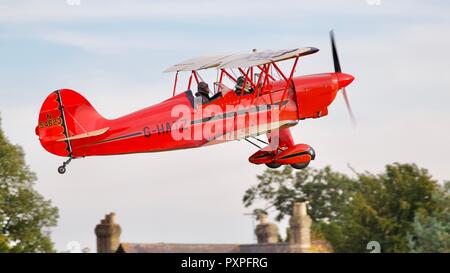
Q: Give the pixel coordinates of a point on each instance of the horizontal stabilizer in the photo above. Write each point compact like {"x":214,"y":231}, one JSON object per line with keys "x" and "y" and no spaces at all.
{"x":86,"y":135}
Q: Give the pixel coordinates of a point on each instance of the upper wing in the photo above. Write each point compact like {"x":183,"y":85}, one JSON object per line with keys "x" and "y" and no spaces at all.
{"x":241,"y":59}
{"x":198,"y":63}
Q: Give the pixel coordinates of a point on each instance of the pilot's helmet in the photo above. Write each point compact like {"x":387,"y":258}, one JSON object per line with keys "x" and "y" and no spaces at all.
{"x":240,"y":82}
{"x":203,"y":88}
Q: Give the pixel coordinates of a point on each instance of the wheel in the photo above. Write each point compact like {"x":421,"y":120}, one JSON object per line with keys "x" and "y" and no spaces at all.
{"x":62,"y":169}
{"x":300,"y":166}
{"x":273,"y":165}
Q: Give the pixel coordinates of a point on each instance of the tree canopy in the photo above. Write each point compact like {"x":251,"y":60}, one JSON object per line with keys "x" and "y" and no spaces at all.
{"x":25,"y":215}
{"x":394,"y":207}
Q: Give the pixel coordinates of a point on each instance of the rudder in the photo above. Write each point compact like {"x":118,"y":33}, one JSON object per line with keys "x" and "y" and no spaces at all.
{"x":63,"y":115}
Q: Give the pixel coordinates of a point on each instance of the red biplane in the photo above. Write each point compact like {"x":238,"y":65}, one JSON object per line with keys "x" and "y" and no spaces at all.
{"x":252,"y":96}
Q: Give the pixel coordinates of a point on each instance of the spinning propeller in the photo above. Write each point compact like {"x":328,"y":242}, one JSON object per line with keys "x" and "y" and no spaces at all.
{"x":343,"y":79}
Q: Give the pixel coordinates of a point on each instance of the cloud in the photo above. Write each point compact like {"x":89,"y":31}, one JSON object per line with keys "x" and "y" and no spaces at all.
{"x":60,"y":23}
{"x":110,"y":43}
{"x":244,"y":11}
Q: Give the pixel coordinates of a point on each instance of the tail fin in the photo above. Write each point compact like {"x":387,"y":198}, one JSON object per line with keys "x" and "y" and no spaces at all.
{"x":66,"y":116}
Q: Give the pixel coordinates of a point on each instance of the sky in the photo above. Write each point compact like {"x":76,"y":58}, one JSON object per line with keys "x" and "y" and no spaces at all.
{"x":114,"y":52}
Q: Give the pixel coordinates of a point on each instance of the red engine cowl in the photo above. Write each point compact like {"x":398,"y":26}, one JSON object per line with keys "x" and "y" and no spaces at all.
{"x":300,"y":153}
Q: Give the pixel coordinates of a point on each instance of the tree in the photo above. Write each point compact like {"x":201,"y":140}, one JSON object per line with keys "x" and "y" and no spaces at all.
{"x":326,"y":191}
{"x":383,"y":208}
{"x":431,"y":232}
{"x":25,"y":216}
{"x":350,"y":212}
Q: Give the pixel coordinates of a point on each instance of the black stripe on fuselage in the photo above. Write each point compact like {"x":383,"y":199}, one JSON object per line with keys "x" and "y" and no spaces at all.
{"x":239,"y":112}
{"x":118,"y":138}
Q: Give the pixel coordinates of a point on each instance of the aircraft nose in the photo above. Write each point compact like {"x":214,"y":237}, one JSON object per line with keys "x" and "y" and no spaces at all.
{"x":344,"y":79}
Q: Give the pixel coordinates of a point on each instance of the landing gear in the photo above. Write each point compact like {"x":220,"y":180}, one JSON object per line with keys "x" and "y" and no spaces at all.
{"x":300,"y":166}
{"x":62,"y":169}
{"x":273,"y":165}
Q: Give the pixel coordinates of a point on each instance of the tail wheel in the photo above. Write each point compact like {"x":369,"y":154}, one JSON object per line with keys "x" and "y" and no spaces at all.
{"x":300,"y":166}
{"x":273,"y":165}
{"x":61,"y":169}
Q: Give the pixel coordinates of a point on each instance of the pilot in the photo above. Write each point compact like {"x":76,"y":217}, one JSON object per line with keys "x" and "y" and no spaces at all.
{"x":203,"y":92}
{"x":240,"y":83}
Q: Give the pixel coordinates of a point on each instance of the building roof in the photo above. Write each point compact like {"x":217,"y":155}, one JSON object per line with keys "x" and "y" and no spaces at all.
{"x":301,"y":240}
{"x":177,"y":248}
{"x":318,"y":245}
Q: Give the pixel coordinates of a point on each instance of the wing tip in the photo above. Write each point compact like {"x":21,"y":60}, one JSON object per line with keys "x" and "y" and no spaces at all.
{"x":311,"y":50}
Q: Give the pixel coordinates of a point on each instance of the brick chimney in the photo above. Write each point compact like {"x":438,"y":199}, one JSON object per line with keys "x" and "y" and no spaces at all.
{"x":266,"y":233}
{"x":300,"y":227}
{"x":108,"y":234}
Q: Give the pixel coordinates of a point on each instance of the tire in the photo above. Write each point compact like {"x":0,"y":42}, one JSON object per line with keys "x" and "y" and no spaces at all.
{"x":273,"y":165}
{"x":61,"y":169}
{"x":300,"y":166}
